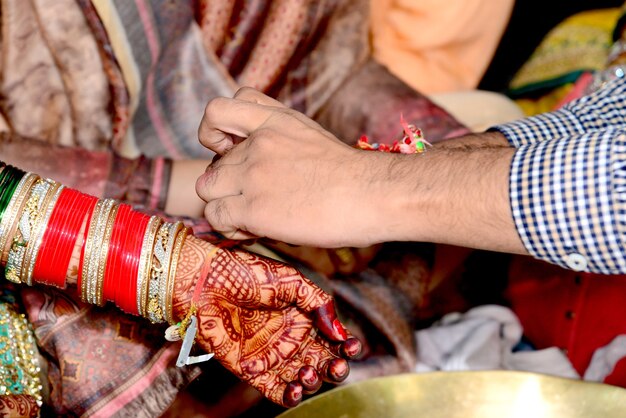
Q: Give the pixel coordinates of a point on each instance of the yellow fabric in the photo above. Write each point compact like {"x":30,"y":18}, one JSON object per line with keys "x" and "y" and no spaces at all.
{"x":545,"y":103}
{"x":580,"y":42}
{"x":438,"y":46}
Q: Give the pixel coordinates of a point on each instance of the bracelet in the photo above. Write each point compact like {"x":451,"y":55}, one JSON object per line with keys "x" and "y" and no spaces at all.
{"x":9,"y":181}
{"x":127,"y":300}
{"x":27,"y":223}
{"x":114,"y":274}
{"x":60,"y":237}
{"x":97,"y":244}
{"x":13,"y":210}
{"x":104,"y":250}
{"x":187,"y":328}
{"x":174,"y":232}
{"x":42,"y":221}
{"x":169,"y":292}
{"x":145,"y":262}
{"x":160,"y":269}
{"x":86,"y":251}
{"x":81,"y":281}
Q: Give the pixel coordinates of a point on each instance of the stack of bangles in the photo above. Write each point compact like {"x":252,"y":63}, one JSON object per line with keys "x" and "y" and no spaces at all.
{"x":127,"y":257}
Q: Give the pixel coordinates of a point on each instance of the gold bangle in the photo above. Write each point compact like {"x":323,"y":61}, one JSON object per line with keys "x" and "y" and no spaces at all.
{"x":159,"y":270}
{"x":28,"y":220}
{"x":13,"y":210}
{"x":91,"y":228}
{"x":43,"y":217}
{"x":104,"y":252}
{"x":145,"y":261}
{"x":169,"y":292}
{"x":93,"y":272}
{"x":171,"y":243}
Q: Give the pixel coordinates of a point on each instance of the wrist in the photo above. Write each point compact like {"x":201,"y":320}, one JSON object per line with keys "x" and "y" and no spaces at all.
{"x":187,"y":274}
{"x":450,"y":196}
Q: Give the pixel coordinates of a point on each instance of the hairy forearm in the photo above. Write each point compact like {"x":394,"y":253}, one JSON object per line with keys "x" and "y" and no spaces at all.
{"x":473,"y":141}
{"x":450,"y":195}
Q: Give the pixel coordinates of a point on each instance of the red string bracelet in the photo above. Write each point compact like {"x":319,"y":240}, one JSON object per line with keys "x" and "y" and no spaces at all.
{"x":177,"y":331}
{"x":188,"y":327}
{"x":60,"y":237}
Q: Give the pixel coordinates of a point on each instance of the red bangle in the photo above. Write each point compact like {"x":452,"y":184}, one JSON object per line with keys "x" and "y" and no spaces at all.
{"x":83,"y":207}
{"x":124,"y":274}
{"x":60,"y":237}
{"x":126,"y":264}
{"x":113,"y":274}
{"x":45,"y":271}
{"x":119,"y":273}
{"x":127,"y":297}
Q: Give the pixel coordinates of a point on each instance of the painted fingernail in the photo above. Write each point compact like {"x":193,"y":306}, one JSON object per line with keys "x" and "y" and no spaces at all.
{"x":351,"y":348}
{"x":309,"y":378}
{"x":293,"y":394}
{"x":339,"y":329}
{"x":326,"y":321}
{"x":338,"y":370}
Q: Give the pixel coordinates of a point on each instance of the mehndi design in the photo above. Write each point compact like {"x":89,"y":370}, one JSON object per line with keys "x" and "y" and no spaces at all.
{"x":259,"y":317}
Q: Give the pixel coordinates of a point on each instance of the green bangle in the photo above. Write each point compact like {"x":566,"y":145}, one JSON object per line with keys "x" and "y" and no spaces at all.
{"x":8,"y":184}
{"x":5,"y":180}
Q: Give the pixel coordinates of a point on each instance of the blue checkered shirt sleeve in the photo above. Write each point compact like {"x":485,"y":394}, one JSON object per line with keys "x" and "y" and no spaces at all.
{"x":568,"y":182}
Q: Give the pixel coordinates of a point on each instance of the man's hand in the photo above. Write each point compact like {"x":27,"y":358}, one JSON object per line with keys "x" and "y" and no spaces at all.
{"x":289,"y":179}
{"x":283,"y":176}
{"x":265,"y":322}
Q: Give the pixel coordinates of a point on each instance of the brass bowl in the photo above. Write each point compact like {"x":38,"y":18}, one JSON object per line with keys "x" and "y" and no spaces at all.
{"x":480,"y":394}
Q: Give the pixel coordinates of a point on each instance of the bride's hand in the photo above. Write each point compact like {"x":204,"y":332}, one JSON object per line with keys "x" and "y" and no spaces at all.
{"x":265,"y":322}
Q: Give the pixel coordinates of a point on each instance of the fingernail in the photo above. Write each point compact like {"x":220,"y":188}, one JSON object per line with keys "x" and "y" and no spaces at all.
{"x":338,"y":370}
{"x":293,"y":394}
{"x":307,"y":375}
{"x":340,"y":330}
{"x":310,"y":380}
{"x":352,"y":348}
{"x":326,"y":321}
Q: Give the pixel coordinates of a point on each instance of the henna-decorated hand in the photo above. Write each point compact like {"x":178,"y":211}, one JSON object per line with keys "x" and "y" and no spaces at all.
{"x":261,"y":319}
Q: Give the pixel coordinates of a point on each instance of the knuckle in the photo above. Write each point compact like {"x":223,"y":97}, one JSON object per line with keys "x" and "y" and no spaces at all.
{"x":262,"y":139}
{"x":206,"y":181}
{"x":216,"y":214}
{"x":213,"y":107}
{"x":245,"y":92}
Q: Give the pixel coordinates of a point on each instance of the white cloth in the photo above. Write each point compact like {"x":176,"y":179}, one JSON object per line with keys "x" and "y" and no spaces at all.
{"x":604,"y":359}
{"x":483,"y":339}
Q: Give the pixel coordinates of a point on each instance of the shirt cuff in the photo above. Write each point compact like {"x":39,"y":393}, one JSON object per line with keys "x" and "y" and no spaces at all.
{"x":568,"y":200}
{"x":545,"y":126}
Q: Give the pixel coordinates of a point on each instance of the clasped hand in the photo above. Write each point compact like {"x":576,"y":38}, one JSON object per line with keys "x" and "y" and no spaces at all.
{"x":281,"y":175}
